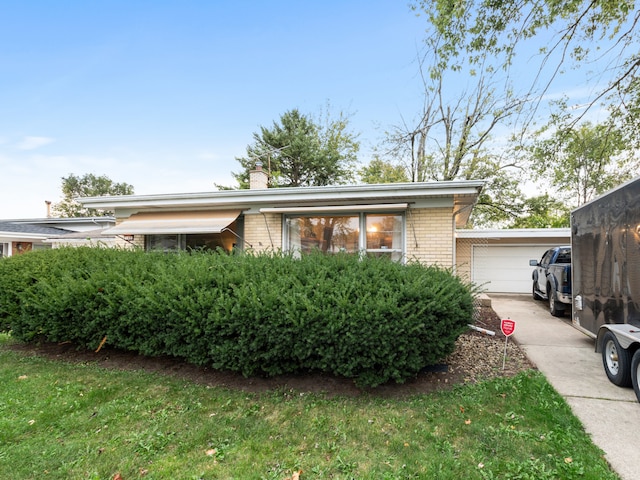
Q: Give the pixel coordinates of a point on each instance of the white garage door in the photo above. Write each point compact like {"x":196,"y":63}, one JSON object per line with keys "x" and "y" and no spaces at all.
{"x":504,"y":268}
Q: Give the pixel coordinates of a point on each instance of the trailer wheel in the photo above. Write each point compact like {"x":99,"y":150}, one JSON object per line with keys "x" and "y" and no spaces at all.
{"x":635,"y":373}
{"x":556,"y":309}
{"x":616,"y":361}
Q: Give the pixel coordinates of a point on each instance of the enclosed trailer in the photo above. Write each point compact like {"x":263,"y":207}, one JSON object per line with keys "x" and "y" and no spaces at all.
{"x":605,"y":241}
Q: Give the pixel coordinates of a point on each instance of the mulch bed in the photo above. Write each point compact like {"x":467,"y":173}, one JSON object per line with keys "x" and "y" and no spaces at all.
{"x":477,"y":356}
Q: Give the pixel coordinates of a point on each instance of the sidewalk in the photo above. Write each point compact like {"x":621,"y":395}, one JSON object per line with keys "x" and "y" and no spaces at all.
{"x":567,"y":358}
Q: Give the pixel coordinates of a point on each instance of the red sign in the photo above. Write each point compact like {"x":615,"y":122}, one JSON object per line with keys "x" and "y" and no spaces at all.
{"x":508,"y":327}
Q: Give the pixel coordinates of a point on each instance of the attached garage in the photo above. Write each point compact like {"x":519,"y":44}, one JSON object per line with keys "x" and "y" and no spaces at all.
{"x":498,"y":260}
{"x":505,"y":269}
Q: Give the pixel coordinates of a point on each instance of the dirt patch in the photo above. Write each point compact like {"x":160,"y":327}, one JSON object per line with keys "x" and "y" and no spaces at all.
{"x":477,"y":356}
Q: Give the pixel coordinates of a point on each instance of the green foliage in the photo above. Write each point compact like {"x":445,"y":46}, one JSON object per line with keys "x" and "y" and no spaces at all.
{"x":508,"y":56}
{"x":300,"y":151}
{"x":380,"y":171}
{"x":543,"y":212}
{"x":368,"y":319}
{"x":88,"y":185}
{"x":583,"y":162}
{"x":473,"y":31}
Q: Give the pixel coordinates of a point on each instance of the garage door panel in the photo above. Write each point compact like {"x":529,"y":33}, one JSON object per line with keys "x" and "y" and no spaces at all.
{"x":504,"y":268}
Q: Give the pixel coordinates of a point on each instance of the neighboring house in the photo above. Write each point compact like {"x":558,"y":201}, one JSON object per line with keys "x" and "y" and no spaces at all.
{"x":498,"y":260}
{"x":402,"y":221}
{"x":94,"y":238}
{"x":24,"y":235}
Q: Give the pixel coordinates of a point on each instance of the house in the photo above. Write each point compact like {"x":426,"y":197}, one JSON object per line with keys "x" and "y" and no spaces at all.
{"x":24,"y":235}
{"x":402,"y":221}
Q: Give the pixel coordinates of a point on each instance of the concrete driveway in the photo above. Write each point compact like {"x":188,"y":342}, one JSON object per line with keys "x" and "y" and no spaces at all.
{"x":567,"y":358}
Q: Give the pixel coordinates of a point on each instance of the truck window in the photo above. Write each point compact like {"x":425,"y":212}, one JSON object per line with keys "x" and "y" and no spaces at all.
{"x":564,"y":256}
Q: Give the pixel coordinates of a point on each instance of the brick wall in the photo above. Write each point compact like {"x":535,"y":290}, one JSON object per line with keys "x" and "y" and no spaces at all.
{"x":463,"y":256}
{"x":263,"y":231}
{"x":120,"y":242}
{"x":138,"y":241}
{"x":429,"y":235}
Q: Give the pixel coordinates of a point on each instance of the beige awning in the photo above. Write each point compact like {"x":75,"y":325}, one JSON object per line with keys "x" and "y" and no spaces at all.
{"x":155,"y":223}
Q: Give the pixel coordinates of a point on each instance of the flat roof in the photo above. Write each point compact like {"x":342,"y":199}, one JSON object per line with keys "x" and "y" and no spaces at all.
{"x":334,"y":194}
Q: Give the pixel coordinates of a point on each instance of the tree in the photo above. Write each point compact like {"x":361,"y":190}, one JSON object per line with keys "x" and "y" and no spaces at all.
{"x":380,"y":171}
{"x":583,"y":162}
{"x":599,"y":35}
{"x":476,"y":43}
{"x":542,"y":211}
{"x":448,"y":141}
{"x":300,"y":151}
{"x":88,"y":185}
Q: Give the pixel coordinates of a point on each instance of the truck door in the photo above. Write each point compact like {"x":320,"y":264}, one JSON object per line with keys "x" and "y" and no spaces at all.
{"x":543,"y":269}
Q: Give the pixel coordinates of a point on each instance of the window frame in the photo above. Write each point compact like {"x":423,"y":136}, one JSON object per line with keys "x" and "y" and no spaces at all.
{"x":362,"y":231}
{"x":235,"y":229}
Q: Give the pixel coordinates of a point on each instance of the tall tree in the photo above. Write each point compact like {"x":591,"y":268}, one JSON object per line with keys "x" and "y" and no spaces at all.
{"x":584,"y":161}
{"x":88,"y":185}
{"x":300,"y":151}
{"x":448,"y":141}
{"x":476,"y":43}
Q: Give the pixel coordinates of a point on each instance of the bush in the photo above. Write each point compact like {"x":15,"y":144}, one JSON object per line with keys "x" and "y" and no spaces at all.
{"x":368,"y":319}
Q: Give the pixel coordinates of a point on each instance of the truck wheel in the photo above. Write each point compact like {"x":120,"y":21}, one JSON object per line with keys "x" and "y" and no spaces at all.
{"x":555,"y":307}
{"x":635,"y":373}
{"x":616,"y":361}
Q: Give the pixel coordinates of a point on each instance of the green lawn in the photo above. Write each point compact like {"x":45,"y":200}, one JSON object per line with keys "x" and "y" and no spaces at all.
{"x":70,"y":421}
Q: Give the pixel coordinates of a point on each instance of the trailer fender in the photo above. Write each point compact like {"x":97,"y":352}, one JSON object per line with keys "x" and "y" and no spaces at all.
{"x":626,"y":334}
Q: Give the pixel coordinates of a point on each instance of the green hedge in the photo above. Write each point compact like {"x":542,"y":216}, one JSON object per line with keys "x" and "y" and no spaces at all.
{"x":368,"y":319}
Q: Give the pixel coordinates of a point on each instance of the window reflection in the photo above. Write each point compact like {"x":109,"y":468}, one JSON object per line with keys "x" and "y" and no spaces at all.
{"x":329,"y":234}
{"x":384,"y":236}
{"x":225,"y":240}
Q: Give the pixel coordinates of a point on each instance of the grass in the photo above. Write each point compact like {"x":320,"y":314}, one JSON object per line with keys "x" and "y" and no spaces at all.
{"x":70,"y":421}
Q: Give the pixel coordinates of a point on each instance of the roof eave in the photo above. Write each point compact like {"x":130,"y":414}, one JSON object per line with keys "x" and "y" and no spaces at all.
{"x":514,"y":233}
{"x":334,"y":194}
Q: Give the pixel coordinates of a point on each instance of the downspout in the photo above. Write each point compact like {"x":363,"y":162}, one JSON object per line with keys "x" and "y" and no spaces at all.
{"x":121,"y":237}
{"x":268,"y":229}
{"x":453,"y":225}
{"x":413,"y":226}
{"x":455,"y":214}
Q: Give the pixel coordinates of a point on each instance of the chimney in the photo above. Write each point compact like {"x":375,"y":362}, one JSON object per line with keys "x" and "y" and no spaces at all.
{"x":258,"y":178}
{"x":48,"y":203}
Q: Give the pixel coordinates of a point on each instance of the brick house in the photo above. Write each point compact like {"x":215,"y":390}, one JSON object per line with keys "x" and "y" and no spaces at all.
{"x":401,"y":220}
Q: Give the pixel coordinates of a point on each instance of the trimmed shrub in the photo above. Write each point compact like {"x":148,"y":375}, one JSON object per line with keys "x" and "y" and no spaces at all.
{"x":364,"y":318}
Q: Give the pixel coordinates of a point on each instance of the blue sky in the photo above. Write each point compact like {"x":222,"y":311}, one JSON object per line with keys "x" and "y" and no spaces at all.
{"x":164,"y":95}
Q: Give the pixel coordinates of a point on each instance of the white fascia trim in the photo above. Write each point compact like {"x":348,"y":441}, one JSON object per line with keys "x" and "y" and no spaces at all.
{"x":338,"y":208}
{"x":274,"y":196}
{"x":515,"y":233}
{"x":22,"y":237}
{"x":64,"y":220}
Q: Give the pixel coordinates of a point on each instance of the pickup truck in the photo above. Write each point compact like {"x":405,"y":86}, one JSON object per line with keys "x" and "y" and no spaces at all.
{"x":552,"y":279}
